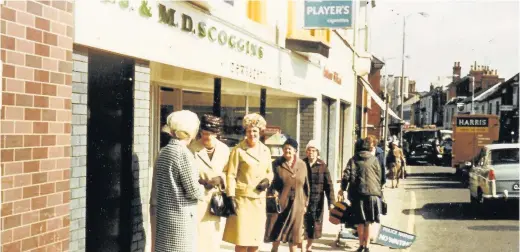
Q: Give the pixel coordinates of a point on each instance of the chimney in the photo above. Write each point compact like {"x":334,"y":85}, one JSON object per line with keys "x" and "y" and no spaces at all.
{"x":456,"y":71}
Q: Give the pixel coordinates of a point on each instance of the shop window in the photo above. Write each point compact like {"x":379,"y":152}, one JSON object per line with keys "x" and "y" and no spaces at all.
{"x":325,"y":128}
{"x":497,"y":108}
{"x":280,"y":113}
{"x":167,"y":96}
{"x":232,"y":112}
{"x":490,"y":108}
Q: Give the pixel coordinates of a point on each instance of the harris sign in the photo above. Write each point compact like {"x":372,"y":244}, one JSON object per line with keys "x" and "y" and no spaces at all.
{"x":328,"y":14}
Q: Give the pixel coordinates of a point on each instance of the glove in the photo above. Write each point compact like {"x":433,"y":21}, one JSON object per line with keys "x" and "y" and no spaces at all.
{"x":262,"y":185}
{"x":234,"y":205}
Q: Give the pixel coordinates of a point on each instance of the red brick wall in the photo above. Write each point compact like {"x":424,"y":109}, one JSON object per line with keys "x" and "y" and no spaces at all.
{"x":374,"y":113}
{"x":36,"y":124}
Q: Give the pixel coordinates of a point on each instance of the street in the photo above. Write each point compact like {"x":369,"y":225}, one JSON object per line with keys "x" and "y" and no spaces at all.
{"x":444,"y":220}
{"x":435,"y":207}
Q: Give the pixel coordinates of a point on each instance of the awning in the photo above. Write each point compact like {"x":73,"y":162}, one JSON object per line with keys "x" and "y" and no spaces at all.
{"x":377,"y":99}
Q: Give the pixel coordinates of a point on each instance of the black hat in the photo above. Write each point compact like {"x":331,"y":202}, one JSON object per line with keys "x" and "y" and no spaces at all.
{"x":291,"y":142}
{"x":211,"y":123}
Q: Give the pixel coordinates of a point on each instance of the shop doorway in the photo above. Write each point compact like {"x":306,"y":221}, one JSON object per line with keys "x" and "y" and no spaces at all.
{"x":109,"y":153}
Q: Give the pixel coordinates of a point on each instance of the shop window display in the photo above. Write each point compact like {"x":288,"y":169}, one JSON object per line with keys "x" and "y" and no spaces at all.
{"x":232,"y":112}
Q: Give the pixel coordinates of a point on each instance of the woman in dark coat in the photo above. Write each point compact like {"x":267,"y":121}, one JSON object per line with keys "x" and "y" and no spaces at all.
{"x":320,"y":187}
{"x":362,"y":179}
{"x":291,"y":184}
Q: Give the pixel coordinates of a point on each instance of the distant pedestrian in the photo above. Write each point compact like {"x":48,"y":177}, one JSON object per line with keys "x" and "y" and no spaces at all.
{"x":395,"y":161}
{"x":177,"y":189}
{"x":321,"y":186}
{"x":362,"y":179}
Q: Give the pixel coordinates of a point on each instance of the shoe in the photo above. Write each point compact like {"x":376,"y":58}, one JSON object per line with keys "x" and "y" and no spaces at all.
{"x":361,"y":249}
{"x":366,"y":250}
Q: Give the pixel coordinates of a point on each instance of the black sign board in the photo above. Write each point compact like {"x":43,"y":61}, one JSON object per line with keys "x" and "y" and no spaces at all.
{"x":473,"y":122}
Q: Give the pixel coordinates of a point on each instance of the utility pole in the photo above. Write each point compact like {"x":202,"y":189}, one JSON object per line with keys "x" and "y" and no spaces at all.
{"x":401,"y":98}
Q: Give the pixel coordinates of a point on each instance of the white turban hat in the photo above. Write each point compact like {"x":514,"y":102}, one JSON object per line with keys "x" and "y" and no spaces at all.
{"x":183,"y":123}
{"x":313,"y":144}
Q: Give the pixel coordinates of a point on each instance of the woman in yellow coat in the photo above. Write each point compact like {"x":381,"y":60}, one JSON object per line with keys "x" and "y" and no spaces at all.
{"x":211,"y":157}
{"x":249,"y":173}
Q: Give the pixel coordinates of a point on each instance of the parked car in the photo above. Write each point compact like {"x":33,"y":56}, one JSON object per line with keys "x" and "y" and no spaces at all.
{"x":494,"y":175}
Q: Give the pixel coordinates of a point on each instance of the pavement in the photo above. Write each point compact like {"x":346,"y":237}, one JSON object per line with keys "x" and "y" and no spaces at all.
{"x":395,"y":218}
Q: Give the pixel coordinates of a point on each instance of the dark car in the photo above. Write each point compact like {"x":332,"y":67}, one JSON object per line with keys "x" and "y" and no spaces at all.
{"x":423,"y":146}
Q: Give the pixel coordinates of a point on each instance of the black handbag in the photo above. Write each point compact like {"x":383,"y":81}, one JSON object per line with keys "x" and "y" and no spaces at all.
{"x":220,"y":204}
{"x":272,"y":205}
{"x":384,"y":206}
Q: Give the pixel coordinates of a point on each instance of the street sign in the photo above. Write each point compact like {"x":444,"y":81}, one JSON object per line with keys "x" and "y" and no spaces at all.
{"x":327,"y":14}
{"x":506,"y":107}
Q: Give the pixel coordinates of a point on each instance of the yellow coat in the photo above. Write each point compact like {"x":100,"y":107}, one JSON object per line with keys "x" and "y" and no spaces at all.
{"x":209,"y":228}
{"x":246,"y":168}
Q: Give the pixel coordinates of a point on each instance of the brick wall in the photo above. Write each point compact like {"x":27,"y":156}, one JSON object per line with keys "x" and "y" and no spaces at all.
{"x":374,"y":113}
{"x":79,"y":151}
{"x":140,"y":157}
{"x":36,"y":116}
{"x":306,"y":123}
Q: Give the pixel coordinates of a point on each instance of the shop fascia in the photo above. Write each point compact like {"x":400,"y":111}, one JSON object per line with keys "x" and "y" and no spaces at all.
{"x":202,"y":30}
{"x":333,"y":76}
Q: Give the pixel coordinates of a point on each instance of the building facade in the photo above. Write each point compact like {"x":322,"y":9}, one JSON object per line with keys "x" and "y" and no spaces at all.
{"x":84,"y":100}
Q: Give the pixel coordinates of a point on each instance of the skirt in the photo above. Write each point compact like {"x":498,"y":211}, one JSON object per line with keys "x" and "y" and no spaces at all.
{"x":247,"y":227}
{"x":366,"y":209}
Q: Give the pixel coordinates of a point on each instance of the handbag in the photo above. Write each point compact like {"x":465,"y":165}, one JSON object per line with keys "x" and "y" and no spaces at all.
{"x":384,"y":206}
{"x":220,"y":204}
{"x":272,"y":205}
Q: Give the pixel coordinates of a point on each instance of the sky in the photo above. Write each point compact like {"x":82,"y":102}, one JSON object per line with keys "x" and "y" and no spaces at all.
{"x":466,"y":31}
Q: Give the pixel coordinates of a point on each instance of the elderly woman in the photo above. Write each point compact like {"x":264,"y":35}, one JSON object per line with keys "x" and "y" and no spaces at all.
{"x":177,"y":188}
{"x":211,"y":157}
{"x":395,"y":161}
{"x":362,"y":178}
{"x":248,"y":175}
{"x":320,"y":187}
{"x":291,"y":184}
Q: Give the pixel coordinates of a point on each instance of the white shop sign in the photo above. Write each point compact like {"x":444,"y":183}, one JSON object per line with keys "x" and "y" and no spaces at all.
{"x":175,"y":33}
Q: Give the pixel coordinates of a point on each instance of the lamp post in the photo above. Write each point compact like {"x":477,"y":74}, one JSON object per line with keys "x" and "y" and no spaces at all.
{"x":401,"y":98}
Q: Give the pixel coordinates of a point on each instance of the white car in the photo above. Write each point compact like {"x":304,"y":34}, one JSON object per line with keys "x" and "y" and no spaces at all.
{"x":495,"y":174}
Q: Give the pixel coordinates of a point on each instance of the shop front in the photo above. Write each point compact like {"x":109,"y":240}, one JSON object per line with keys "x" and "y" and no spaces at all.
{"x":179,"y":57}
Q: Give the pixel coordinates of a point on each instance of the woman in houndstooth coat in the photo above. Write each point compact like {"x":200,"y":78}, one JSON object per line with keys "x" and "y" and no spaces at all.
{"x":177,"y":187}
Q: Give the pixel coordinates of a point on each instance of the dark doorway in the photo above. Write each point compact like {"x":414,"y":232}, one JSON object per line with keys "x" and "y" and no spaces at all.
{"x":109,"y":153}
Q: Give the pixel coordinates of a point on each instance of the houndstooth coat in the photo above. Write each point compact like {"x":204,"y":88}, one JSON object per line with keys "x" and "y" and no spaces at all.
{"x":178,"y":192}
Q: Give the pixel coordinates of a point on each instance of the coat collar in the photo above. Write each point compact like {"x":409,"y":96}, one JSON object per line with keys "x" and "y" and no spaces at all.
{"x":318,"y":162}
{"x":200,"y":152}
{"x":253,"y":152}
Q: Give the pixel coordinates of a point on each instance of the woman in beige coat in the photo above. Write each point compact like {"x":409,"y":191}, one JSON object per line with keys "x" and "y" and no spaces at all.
{"x":248,"y":176}
{"x":211,"y":156}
